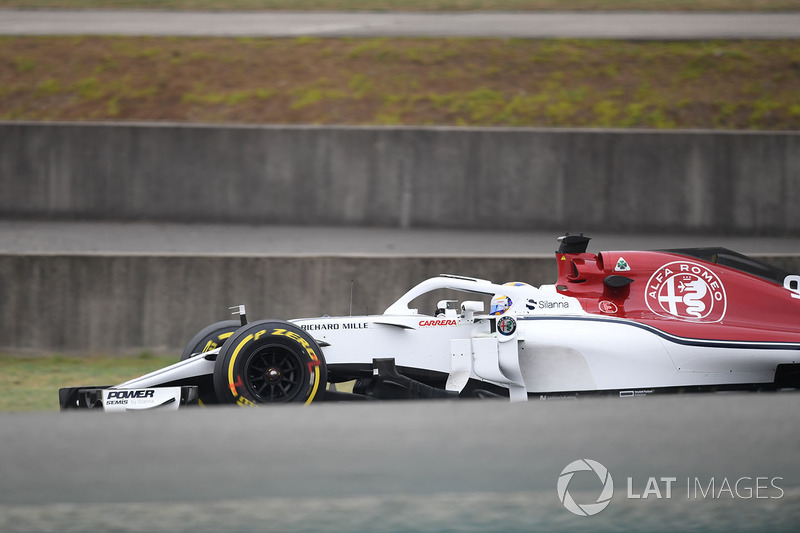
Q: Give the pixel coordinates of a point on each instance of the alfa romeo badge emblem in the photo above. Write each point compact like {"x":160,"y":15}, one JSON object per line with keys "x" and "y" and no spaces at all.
{"x":506,"y":325}
{"x":687,"y":291}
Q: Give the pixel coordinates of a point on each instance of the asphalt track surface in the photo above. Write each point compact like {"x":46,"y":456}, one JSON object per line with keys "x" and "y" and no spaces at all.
{"x":593,"y":25}
{"x":415,"y":466}
{"x":19,"y":236}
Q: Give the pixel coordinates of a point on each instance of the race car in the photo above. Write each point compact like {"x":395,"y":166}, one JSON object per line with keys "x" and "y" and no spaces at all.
{"x":627,"y":324}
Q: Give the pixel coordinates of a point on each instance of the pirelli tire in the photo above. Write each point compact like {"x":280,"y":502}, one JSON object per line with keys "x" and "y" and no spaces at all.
{"x":210,"y":337}
{"x":270,"y":361}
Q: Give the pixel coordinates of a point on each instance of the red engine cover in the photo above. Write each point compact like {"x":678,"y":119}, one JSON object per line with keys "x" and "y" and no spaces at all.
{"x":684,"y":295}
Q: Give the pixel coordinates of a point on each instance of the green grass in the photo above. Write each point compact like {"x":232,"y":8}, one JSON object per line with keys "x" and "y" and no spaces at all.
{"x":416,"y":5}
{"x":32,"y":383}
{"x":469,"y":82}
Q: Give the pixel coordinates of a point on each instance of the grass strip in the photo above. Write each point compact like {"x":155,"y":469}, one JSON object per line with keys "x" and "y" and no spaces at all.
{"x":382,"y":81}
{"x":32,"y":383}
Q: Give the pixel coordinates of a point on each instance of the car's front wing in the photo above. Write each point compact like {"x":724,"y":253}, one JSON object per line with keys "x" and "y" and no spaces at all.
{"x":120,"y":400}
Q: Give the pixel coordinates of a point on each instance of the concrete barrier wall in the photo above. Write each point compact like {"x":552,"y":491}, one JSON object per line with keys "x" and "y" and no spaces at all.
{"x":127,"y":303}
{"x":122,"y":303}
{"x":595,"y":180}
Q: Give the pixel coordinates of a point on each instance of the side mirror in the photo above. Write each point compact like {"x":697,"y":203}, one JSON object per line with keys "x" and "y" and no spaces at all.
{"x":447,"y":304}
{"x":470,"y":308}
{"x":447,"y":307}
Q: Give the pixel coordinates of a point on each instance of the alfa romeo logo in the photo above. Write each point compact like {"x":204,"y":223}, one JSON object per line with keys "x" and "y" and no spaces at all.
{"x":507,"y":325}
{"x":586,"y":509}
{"x":686,"y":290}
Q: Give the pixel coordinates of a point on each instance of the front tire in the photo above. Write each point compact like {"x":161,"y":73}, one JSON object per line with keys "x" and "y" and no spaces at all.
{"x":210,"y":337}
{"x":270,"y":362}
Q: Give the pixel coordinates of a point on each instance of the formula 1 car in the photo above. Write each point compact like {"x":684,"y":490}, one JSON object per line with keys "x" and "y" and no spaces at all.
{"x":628,"y":324}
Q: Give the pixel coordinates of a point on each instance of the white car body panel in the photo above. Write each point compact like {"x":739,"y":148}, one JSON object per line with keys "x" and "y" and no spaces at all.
{"x":557,"y":347}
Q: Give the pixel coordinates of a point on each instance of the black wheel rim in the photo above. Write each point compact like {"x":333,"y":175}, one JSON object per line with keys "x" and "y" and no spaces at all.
{"x":274,"y":373}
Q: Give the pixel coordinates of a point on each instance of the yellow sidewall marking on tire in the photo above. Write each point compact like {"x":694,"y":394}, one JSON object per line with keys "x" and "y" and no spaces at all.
{"x":233,"y":360}
{"x":316,"y":385}
{"x":226,"y":335}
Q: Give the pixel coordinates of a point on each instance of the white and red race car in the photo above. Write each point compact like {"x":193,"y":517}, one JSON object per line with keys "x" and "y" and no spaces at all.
{"x":626,"y":323}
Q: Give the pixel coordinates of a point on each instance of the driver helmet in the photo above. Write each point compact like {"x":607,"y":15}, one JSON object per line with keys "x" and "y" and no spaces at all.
{"x":500,"y":304}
